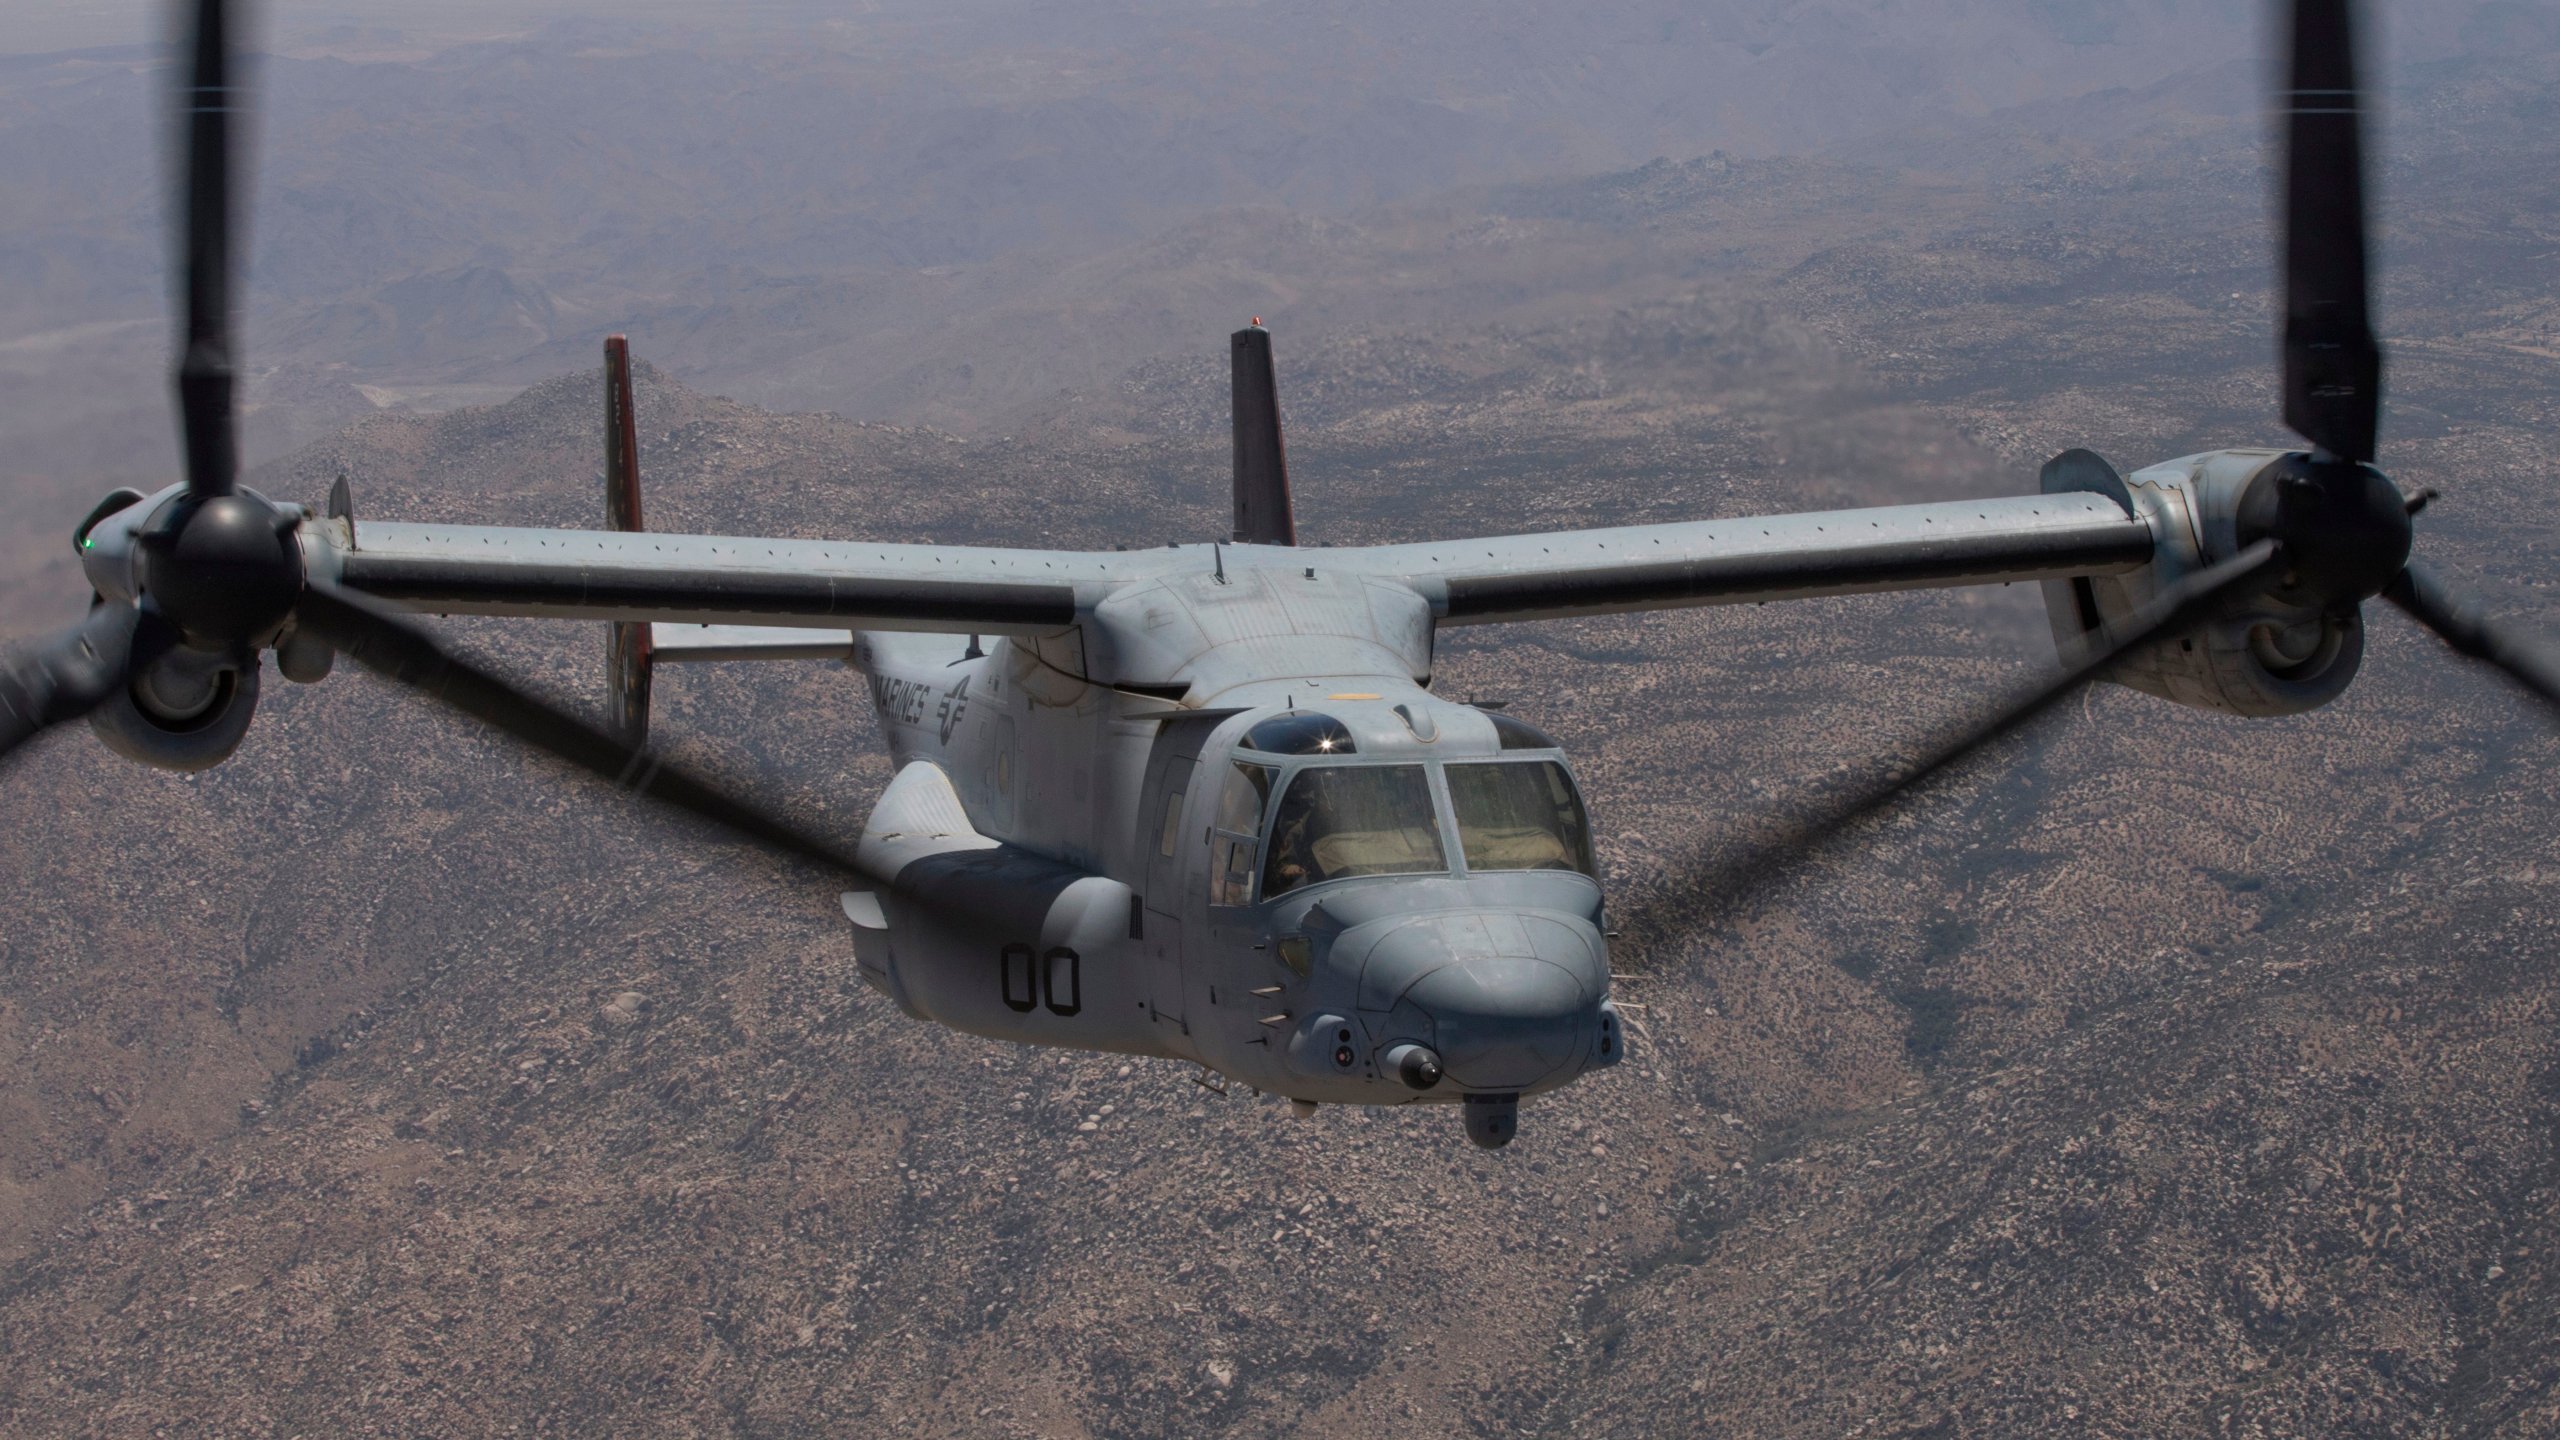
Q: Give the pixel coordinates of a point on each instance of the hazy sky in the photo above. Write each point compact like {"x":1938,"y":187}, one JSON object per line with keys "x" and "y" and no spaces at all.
{"x":788,"y":198}
{"x":38,"y":26}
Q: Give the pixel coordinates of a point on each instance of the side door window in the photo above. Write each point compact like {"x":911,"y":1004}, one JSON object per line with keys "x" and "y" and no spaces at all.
{"x":1234,"y":843}
{"x":1230,"y":868}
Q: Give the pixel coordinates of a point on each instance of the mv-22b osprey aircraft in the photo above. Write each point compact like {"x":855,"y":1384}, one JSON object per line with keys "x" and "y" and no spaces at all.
{"x":1201,"y":802}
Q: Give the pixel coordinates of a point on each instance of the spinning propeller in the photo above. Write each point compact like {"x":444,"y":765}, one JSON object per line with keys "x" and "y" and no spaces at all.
{"x":220,"y":572}
{"x":2321,"y":527}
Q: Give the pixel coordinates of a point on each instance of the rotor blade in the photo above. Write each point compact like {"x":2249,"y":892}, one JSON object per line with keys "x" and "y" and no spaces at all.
{"x":2174,"y":612}
{"x":67,"y":675}
{"x":382,"y":641}
{"x":207,"y":414}
{"x":2462,"y":624}
{"x":2332,"y":363}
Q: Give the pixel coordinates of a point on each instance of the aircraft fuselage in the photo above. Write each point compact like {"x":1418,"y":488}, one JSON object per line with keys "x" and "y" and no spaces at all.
{"x":1224,"y":820}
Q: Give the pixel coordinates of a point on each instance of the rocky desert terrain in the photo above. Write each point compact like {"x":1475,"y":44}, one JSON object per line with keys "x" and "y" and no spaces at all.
{"x":2158,"y":1074}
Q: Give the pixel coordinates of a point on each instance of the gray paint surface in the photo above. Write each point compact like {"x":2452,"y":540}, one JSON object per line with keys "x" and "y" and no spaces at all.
{"x":604,"y":575}
{"x":1067,"y":727}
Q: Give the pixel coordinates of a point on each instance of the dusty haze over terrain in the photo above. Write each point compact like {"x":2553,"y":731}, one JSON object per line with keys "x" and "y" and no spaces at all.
{"x":2162,"y":1075}
{"x":794,"y":205}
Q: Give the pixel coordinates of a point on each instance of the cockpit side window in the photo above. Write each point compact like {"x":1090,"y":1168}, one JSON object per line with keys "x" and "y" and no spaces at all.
{"x":1240,"y":804}
{"x":1519,"y":815}
{"x":1519,"y":734}
{"x":1234,"y":835}
{"x":1337,"y":821}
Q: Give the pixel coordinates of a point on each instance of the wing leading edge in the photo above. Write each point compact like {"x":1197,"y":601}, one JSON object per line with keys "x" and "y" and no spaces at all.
{"x":1769,"y":557}
{"x":716,"y":580}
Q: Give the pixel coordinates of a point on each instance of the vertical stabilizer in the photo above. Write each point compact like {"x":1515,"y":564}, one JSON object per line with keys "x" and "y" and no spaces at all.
{"x":1263,"y":513}
{"x":629,"y":652}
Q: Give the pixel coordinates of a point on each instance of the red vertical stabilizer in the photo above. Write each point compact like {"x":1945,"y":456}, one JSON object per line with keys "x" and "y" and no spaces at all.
{"x":629,"y":651}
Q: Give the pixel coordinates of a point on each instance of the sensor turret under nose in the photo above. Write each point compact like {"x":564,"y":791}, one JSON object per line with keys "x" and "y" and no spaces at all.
{"x":1492,"y":1119}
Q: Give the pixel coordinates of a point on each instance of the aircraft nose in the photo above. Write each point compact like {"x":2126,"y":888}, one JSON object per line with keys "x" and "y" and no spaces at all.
{"x":1505,"y":1022}
{"x":1507,"y":1000}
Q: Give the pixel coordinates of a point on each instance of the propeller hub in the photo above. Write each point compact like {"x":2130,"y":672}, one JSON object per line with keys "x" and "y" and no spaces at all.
{"x":2344,"y":528}
{"x":225,"y":570}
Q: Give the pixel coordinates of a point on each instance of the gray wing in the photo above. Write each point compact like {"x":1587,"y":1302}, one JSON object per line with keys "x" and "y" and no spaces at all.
{"x":1769,"y":557}
{"x":711,"y":580}
{"x":727,"y":581}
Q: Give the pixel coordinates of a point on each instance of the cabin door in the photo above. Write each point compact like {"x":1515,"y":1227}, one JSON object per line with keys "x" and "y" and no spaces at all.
{"x":1168,"y":842}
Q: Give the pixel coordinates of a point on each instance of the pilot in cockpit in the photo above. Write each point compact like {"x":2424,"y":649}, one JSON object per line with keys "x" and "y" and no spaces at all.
{"x":1293,"y":858}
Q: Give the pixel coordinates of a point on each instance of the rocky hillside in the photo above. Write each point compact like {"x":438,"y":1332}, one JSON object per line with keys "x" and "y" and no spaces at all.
{"x":2161,"y":1074}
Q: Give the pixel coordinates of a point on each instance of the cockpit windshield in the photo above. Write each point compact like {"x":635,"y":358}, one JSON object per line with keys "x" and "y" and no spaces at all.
{"x":1337,"y":821}
{"x":1519,"y":815}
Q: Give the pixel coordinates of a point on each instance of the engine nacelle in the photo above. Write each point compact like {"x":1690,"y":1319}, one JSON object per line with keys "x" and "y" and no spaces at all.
{"x":188,"y":712}
{"x":2267,"y":658}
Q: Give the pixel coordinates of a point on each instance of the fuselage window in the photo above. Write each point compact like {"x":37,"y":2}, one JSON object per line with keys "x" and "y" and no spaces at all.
{"x":1177,"y":781}
{"x":1519,"y":815}
{"x":1338,"y":821}
{"x":1232,"y":835}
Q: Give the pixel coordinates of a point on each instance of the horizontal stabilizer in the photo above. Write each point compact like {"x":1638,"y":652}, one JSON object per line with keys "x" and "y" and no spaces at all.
{"x":685,"y":644}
